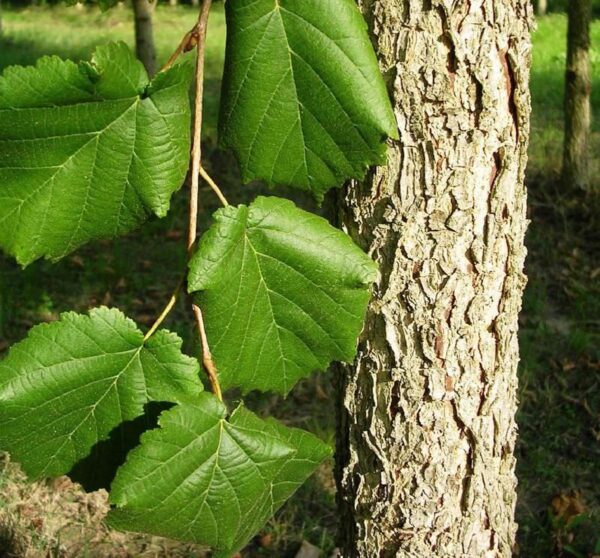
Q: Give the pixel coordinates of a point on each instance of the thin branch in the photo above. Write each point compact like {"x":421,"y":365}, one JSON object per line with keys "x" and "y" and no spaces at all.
{"x":197,"y":142}
{"x":214,"y":186}
{"x":194,"y":38}
{"x":194,"y":186}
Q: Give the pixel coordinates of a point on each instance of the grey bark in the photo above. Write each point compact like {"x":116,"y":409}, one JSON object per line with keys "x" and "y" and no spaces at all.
{"x":426,"y":425}
{"x":144,"y":34}
{"x":578,"y":87}
{"x":541,"y":7}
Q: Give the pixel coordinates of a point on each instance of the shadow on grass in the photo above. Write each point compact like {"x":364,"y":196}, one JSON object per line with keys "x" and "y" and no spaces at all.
{"x":558,"y":450}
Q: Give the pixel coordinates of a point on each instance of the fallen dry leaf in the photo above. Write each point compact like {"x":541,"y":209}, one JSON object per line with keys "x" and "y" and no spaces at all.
{"x":567,"y":506}
{"x":266,"y":540}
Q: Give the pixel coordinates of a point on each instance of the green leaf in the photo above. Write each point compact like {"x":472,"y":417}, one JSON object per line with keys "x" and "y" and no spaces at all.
{"x":87,"y":151}
{"x":310,"y":452}
{"x":99,"y":468}
{"x":283,"y":293}
{"x":71,"y":382}
{"x":204,"y":478}
{"x":303,"y":101}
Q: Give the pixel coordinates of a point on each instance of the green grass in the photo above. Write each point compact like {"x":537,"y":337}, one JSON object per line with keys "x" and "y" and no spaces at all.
{"x":73,"y":33}
{"x":558,"y":451}
{"x":560,"y":325}
{"x":559,"y":416}
{"x":547,"y":94}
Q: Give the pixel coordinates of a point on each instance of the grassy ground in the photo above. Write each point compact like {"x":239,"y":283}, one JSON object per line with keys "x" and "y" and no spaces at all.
{"x":559,"y":456}
{"x":547,"y":84}
{"x":559,"y":418}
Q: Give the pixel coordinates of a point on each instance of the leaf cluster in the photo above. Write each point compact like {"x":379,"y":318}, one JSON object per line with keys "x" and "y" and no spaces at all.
{"x":90,"y":151}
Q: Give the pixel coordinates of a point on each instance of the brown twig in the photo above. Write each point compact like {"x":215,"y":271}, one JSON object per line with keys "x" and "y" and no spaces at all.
{"x":197,"y":134}
{"x":195,"y":38}
{"x":201,"y":27}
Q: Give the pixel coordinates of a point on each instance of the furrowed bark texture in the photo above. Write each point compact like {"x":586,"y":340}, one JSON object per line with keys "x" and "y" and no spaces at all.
{"x":145,"y":49}
{"x":578,"y":88}
{"x":425,"y":463}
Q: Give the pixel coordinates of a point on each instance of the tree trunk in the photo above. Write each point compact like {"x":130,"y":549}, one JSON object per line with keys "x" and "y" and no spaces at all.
{"x":144,"y":35}
{"x":426,"y":415}
{"x":541,"y":7}
{"x":578,"y":87}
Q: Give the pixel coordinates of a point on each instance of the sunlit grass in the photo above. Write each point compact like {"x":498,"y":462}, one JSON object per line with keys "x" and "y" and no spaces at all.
{"x":73,"y":33}
{"x":547,"y":93}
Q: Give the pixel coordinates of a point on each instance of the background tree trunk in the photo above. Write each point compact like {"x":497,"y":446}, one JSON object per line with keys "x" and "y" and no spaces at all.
{"x":541,"y":7}
{"x":144,"y":34}
{"x":578,"y":87}
{"x":426,"y":426}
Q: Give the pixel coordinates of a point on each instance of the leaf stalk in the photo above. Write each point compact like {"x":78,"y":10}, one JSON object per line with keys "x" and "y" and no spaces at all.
{"x":209,"y":180}
{"x":207,"y":360}
{"x":158,"y":322}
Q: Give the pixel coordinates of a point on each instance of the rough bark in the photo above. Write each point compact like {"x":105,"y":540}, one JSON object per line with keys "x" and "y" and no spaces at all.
{"x":426,"y":425}
{"x":578,"y":87}
{"x":144,"y":34}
